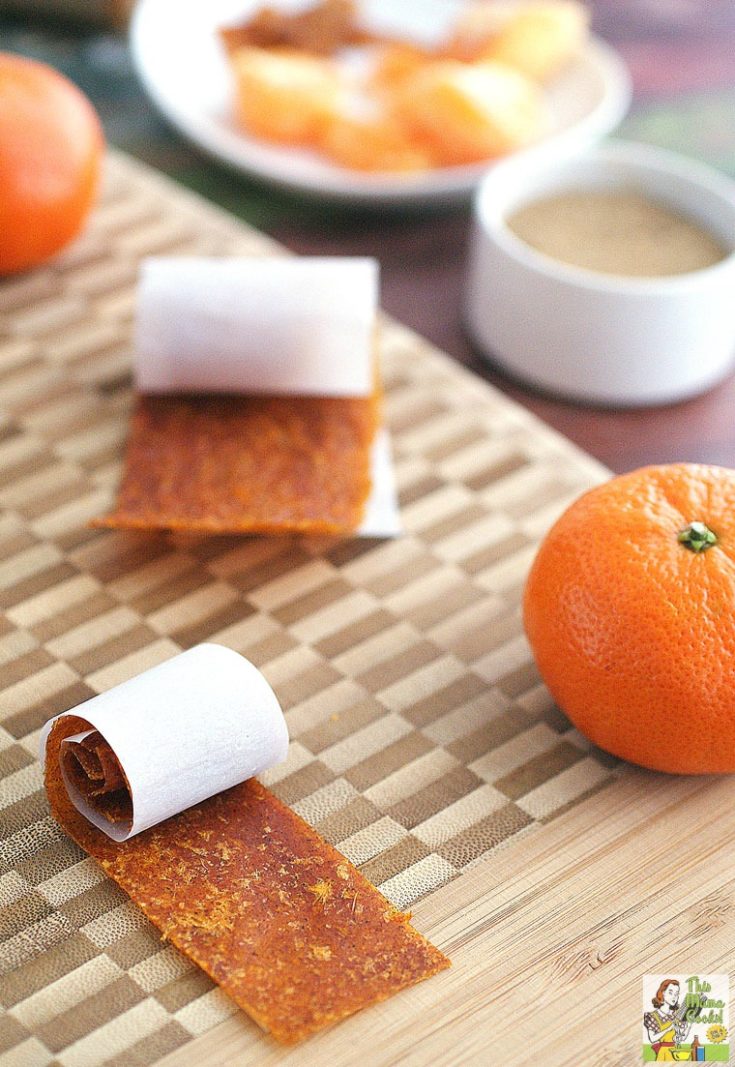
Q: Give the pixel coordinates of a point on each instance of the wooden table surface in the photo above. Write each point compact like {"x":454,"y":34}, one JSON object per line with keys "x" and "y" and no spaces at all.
{"x":544,"y":970}
{"x":553,"y":876}
{"x":682,"y":57}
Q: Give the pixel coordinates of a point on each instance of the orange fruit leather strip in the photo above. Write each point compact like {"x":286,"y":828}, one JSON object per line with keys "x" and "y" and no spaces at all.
{"x":276,"y":916}
{"x":237,"y":464}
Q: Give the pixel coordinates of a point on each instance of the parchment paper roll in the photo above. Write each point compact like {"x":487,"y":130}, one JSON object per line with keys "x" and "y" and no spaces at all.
{"x":283,"y":326}
{"x":181,"y":732}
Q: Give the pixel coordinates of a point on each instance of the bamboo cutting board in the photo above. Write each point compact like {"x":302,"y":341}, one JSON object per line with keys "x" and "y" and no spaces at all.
{"x":423,"y":744}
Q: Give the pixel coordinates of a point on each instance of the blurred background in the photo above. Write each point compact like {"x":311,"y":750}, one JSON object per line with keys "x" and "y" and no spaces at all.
{"x":681,"y":54}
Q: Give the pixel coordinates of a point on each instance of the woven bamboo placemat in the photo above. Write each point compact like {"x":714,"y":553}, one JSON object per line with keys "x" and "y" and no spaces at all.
{"x":422,"y":738}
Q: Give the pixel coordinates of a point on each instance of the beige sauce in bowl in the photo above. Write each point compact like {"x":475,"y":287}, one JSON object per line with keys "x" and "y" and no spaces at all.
{"x":618,"y":232}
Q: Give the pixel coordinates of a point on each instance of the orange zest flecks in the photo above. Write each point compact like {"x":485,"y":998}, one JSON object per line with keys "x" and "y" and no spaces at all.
{"x":322,"y":892}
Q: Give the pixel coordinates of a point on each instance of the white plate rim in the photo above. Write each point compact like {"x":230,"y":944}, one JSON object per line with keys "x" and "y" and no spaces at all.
{"x":273,"y":164}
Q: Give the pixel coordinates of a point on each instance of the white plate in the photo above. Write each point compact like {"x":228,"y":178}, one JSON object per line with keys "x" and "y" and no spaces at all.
{"x":185,"y":71}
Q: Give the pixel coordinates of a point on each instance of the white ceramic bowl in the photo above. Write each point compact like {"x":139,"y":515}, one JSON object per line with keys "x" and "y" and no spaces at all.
{"x":601,"y":337}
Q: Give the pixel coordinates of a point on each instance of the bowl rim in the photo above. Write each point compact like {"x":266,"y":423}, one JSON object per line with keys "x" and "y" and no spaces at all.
{"x":500,"y":187}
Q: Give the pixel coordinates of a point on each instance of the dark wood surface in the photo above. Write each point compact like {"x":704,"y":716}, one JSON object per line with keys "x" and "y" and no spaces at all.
{"x":682,"y":57}
{"x":423,"y":268}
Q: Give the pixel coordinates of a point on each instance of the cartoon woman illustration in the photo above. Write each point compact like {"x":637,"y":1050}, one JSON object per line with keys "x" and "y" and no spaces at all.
{"x":665,"y":1025}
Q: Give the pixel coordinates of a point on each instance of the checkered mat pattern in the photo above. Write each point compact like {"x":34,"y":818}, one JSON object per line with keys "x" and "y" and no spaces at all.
{"x":421,"y":736}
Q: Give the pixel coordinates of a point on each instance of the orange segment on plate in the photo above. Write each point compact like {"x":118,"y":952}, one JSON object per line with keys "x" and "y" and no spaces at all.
{"x":394,"y":63}
{"x":285,"y":95}
{"x":375,"y":142}
{"x":222,"y":464}
{"x":320,"y":30}
{"x":473,"y":97}
{"x":541,"y":38}
{"x":469,"y":112}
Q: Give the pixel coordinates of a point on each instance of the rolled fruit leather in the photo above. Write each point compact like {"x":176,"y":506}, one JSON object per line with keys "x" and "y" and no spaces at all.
{"x":250,"y":892}
{"x":259,"y":400}
{"x":180,"y":732}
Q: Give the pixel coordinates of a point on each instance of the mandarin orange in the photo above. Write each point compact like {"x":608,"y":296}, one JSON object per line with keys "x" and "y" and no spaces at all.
{"x":51,"y":146}
{"x":629,"y":609}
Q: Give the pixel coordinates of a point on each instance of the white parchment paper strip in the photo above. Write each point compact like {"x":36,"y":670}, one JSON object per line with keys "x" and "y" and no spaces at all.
{"x":286,"y":326}
{"x":382,"y":516}
{"x":183,"y":731}
{"x":253,"y":326}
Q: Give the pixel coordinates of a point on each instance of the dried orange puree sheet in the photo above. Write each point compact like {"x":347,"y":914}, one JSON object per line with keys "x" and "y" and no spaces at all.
{"x":278,"y":918}
{"x":247,"y":464}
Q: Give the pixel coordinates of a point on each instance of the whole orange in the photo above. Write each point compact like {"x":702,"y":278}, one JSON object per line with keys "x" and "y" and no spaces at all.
{"x":630,"y":612}
{"x":50,"y":153}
